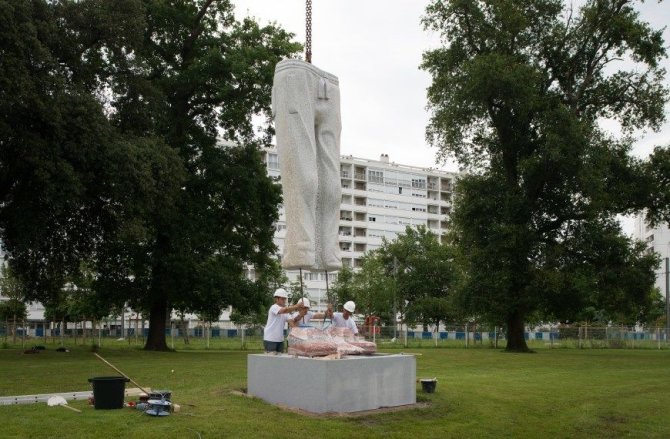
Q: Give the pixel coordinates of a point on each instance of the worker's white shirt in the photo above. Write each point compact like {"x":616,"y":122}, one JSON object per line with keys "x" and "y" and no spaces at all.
{"x":274,"y":328}
{"x":304,"y":320}
{"x":340,"y":322}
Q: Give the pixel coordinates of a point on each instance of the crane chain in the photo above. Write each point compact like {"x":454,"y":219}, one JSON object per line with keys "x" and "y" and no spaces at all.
{"x":308,"y":32}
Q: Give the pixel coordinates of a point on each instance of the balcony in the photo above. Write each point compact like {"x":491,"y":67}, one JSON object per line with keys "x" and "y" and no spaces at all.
{"x":346,"y":232}
{"x":360,"y":232}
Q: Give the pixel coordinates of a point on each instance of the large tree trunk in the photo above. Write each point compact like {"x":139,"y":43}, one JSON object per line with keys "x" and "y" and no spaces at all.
{"x":156,"y":338}
{"x":184,"y":329}
{"x":516,"y":341}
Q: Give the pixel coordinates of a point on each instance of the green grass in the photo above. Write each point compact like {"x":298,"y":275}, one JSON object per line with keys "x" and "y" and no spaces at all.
{"x":557,"y":393}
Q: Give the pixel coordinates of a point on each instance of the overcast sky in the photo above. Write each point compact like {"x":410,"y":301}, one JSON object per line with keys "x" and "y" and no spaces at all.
{"x":375,"y":48}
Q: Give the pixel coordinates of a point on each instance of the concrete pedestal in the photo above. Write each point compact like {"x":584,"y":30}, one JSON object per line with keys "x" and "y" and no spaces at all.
{"x":350,"y":384}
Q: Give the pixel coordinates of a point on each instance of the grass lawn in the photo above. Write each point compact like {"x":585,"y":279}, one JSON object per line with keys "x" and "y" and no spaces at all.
{"x":554,"y":393}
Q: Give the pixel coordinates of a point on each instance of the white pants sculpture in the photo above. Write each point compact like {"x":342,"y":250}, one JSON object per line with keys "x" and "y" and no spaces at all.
{"x":306,"y":103}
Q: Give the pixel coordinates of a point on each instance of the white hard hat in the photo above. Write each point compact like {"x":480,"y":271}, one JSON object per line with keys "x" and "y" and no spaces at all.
{"x":304,"y":302}
{"x":350,"y":306}
{"x":280,"y":292}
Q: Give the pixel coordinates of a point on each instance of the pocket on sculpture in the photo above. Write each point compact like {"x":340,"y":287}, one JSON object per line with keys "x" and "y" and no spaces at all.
{"x":294,"y":92}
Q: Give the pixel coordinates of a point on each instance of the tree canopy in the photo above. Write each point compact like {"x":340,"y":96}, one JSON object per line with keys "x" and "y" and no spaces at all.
{"x":127,"y":139}
{"x":519,"y":89}
{"x":413,"y":276}
{"x":658,"y":170}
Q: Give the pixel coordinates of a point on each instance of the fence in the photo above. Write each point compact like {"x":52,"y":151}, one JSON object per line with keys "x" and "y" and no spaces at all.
{"x":223,"y":335}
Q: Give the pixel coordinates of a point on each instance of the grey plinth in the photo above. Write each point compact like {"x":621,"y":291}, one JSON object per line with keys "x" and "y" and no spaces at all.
{"x":346,"y":385}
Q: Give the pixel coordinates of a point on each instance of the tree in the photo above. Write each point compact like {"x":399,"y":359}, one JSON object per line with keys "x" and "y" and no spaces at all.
{"x":201,"y":74}
{"x":657,"y":168}
{"x":252,"y":318}
{"x":268,"y":280}
{"x":81,"y":301}
{"x":599,"y":272}
{"x":517,"y":95}
{"x":372,"y":289}
{"x":55,"y":143}
{"x":204,"y":74}
{"x":413,"y":275}
{"x":122,"y":106}
{"x":425,"y":274}
{"x":342,"y":289}
{"x":14,"y":308}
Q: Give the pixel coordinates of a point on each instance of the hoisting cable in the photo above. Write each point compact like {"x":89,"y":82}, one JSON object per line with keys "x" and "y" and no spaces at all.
{"x":302,"y":293}
{"x":327,"y":299}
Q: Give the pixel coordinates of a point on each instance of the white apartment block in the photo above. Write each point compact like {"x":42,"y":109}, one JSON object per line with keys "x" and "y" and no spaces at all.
{"x":379,"y":200}
{"x":658,"y":241}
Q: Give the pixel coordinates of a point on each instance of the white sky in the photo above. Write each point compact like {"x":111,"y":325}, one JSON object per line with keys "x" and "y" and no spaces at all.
{"x":375,"y":48}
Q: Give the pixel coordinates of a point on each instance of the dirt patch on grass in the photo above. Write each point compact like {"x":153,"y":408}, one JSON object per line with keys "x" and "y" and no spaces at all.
{"x":613,"y":419}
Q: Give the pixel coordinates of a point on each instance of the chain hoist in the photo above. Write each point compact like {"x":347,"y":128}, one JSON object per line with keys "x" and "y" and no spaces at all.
{"x":308,"y":32}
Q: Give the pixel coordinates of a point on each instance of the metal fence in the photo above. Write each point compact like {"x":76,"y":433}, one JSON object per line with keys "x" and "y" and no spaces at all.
{"x":225,"y":335}
{"x":552,"y":337}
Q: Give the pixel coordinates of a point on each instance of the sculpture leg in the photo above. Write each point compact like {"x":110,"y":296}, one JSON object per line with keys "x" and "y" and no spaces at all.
{"x":296,"y":145}
{"x":328,"y":128}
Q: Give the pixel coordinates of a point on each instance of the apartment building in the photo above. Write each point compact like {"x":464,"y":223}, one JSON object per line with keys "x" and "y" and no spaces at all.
{"x":658,"y":241}
{"x":380,"y":199}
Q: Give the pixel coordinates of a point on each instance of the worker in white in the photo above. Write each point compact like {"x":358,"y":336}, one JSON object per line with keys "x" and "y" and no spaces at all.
{"x":344,"y":319}
{"x":278,"y":314}
{"x":304,"y":315}
{"x":306,"y":107}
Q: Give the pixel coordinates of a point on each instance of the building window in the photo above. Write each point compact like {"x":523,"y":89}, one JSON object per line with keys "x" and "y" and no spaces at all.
{"x":273,"y":161}
{"x":375,"y":176}
{"x":418,"y":183}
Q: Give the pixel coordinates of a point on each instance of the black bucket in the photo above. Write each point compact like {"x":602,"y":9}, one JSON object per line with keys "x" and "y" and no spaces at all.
{"x":108,"y":392}
{"x":429,"y":386}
